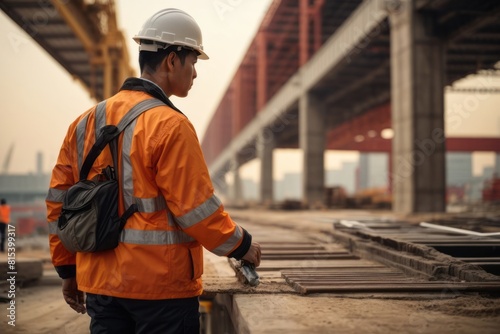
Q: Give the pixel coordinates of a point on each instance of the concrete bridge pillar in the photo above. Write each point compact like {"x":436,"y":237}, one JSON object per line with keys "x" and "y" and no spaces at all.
{"x":265,"y":146}
{"x":237,"y":189}
{"x":417,"y":84}
{"x":312,"y":141}
{"x":497,"y":164}
{"x":220,"y":184}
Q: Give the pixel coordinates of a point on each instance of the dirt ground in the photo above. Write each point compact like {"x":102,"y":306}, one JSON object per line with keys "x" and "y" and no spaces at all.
{"x":42,"y":310}
{"x":274,"y":307}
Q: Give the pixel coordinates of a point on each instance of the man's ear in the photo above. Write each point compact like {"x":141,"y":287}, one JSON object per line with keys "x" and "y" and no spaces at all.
{"x":169,"y":60}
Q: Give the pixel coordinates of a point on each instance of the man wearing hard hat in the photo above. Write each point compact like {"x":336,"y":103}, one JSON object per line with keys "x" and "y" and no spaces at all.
{"x":149,"y":283}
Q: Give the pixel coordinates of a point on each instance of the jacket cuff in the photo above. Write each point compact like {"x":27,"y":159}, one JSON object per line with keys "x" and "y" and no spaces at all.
{"x":243,"y":248}
{"x":68,"y":271}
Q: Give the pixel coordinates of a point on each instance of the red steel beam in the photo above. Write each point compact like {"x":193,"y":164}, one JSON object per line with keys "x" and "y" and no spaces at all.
{"x":261,"y":70}
{"x":303,"y":31}
{"x":318,"y":22}
{"x":236,"y":104}
{"x":473,"y":144}
{"x":453,"y":144}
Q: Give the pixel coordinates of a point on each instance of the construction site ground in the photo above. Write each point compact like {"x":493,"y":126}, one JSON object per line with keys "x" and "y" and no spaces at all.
{"x":276,"y":306}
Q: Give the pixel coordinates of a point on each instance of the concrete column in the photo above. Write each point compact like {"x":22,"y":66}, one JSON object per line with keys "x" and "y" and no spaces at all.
{"x":220,"y":184}
{"x":497,"y":164}
{"x":312,"y":141}
{"x":237,"y":190}
{"x":265,"y":146}
{"x":364,"y":171}
{"x":418,"y":146}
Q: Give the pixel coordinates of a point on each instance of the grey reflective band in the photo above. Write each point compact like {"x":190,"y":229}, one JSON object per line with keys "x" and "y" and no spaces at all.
{"x":53,"y":227}
{"x":230,"y":243}
{"x":100,"y":118}
{"x":201,"y":212}
{"x":127,"y":179}
{"x":141,"y":237}
{"x":128,"y":134}
{"x":150,"y":205}
{"x":138,"y":109}
{"x":81,"y":128}
{"x":170,"y":217}
{"x":55,"y":195}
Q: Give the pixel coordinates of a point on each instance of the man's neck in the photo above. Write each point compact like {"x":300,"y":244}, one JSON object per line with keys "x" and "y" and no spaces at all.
{"x":151,"y":80}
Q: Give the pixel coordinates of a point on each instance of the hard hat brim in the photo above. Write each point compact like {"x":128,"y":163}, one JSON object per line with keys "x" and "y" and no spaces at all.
{"x":202,"y":55}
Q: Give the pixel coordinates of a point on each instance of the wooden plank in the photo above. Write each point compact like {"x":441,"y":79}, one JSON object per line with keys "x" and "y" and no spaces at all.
{"x":360,"y":282}
{"x":287,"y":243}
{"x":292,"y":247}
{"x":314,"y":264}
{"x":323,"y":256}
{"x":342,"y":271}
{"x":304,"y":252}
{"x":342,"y":278}
{"x":343,"y":274}
{"x":298,"y":275}
{"x":399,"y":288}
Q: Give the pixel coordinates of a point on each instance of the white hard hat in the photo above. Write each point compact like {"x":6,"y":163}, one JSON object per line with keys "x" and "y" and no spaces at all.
{"x":170,"y":26}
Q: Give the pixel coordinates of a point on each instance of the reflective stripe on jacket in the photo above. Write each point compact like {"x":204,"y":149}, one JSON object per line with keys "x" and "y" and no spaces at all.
{"x":161,"y":169}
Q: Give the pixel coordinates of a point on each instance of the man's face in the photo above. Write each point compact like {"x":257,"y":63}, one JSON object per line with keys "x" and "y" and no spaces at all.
{"x":183,"y":75}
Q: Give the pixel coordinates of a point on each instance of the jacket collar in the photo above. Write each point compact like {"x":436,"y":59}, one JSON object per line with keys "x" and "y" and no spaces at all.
{"x":149,"y":87}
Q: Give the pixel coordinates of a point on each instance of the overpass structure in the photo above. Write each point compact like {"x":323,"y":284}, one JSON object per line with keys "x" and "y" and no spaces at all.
{"x":332,"y":74}
{"x":80,"y":35}
{"x":319,"y":74}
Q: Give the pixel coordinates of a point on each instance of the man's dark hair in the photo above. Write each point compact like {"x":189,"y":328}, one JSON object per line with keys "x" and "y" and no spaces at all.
{"x":3,"y":201}
{"x":151,"y":60}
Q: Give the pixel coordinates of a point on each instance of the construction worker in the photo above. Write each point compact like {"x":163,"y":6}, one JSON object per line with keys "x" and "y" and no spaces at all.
{"x":4,"y":221}
{"x":151,"y":281}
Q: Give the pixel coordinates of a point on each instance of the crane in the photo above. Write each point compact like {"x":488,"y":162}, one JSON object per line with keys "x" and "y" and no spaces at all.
{"x":7,"y":159}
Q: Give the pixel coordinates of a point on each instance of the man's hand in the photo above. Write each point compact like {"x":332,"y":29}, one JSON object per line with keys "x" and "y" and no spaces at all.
{"x":253,"y":254}
{"x":73,"y":296}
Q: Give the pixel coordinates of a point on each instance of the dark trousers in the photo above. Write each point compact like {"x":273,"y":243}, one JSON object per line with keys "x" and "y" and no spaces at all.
{"x":3,"y":227}
{"x":133,"y":316}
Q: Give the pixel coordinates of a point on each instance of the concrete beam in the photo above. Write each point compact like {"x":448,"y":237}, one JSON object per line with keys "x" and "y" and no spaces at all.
{"x":354,"y":34}
{"x":359,"y":27}
{"x":76,"y":20}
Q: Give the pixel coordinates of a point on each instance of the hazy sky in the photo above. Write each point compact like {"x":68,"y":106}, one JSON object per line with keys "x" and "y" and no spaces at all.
{"x":40,"y":99}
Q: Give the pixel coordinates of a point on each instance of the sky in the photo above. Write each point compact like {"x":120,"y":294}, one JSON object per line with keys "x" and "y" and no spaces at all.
{"x":40,"y":99}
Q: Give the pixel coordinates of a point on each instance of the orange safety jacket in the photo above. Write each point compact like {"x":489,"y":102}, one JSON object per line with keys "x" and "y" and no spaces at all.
{"x":161,"y":168}
{"x":5,"y":213}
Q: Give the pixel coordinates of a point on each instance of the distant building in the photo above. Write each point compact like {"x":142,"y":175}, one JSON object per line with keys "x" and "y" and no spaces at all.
{"x":290,"y":187}
{"x":497,"y":164}
{"x":24,"y":188}
{"x":250,"y":190}
{"x":475,"y":187}
{"x":458,"y":168}
{"x":373,"y":170}
{"x":344,"y":177}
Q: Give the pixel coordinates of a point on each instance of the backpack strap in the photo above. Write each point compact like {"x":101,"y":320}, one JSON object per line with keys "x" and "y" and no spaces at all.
{"x":110,"y":132}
